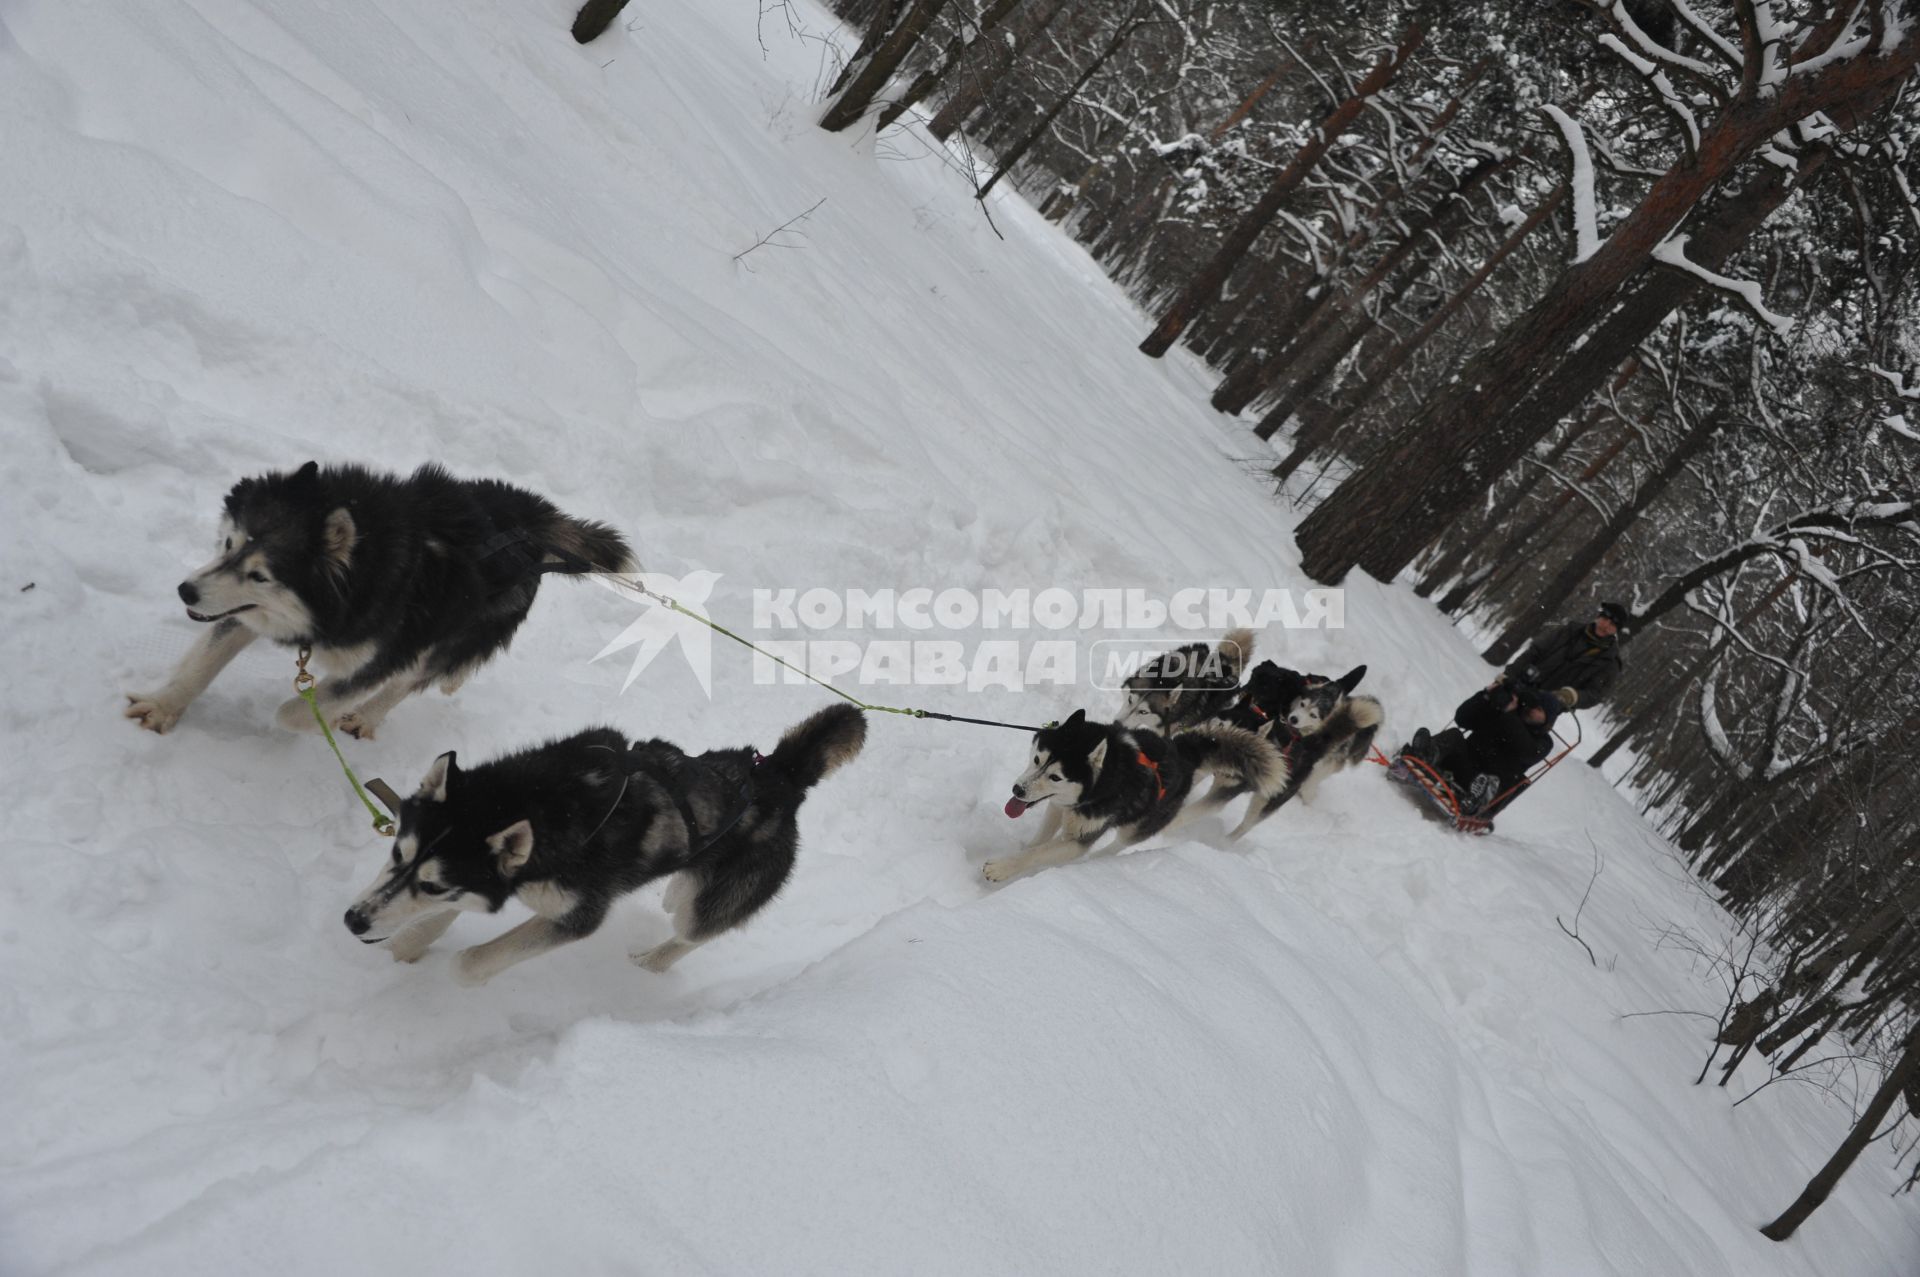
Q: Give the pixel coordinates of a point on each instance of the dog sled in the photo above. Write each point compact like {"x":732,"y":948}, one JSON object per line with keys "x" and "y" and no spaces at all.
{"x":1438,"y":791}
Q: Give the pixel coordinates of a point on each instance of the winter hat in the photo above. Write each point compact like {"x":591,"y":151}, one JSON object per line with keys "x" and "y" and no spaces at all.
{"x":1551,"y":703}
{"x":1567,"y":697}
{"x":1615,"y":612}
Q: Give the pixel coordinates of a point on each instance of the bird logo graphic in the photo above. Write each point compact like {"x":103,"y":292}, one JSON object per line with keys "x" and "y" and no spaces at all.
{"x":659,"y":624}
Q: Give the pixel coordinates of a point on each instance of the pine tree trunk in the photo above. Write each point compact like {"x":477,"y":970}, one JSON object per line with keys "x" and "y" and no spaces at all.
{"x":1821,"y":1185}
{"x":595,"y":16}
{"x":872,"y":76}
{"x":1311,"y":379}
{"x":1553,"y":595}
{"x":1330,"y":324}
{"x":1385,"y":513}
{"x":1395,"y":357}
{"x":1204,"y":288}
{"x":1515,"y":545}
{"x":950,"y":59}
{"x":1014,"y":154}
{"x":974,"y":86}
{"x":1464,"y":549}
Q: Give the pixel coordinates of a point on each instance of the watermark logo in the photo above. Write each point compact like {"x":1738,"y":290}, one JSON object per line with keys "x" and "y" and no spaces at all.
{"x":1013,"y":639}
{"x":1166,"y":663}
{"x":658,"y":627}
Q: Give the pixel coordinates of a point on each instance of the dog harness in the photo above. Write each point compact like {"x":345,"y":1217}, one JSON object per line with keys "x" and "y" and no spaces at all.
{"x":1159,"y":785}
{"x":668,"y":779}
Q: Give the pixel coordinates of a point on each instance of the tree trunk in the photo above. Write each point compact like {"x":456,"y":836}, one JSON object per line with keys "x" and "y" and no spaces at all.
{"x":880,"y":66}
{"x":1547,"y":603}
{"x":1858,"y":1138}
{"x":1465,"y":548}
{"x":1320,"y":332}
{"x":1505,"y":558}
{"x":595,"y":16}
{"x":1469,"y":434}
{"x":1331,"y":357}
{"x":1014,"y":154}
{"x":949,"y":60}
{"x":974,"y":87}
{"x":1392,"y":360}
{"x":1204,"y":288}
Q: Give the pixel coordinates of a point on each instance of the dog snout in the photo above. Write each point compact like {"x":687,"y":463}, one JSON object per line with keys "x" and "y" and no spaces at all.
{"x":189,"y":593}
{"x":357,"y":922}
{"x":1020,"y":792}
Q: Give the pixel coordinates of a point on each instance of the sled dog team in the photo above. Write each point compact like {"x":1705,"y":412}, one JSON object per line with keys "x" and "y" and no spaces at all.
{"x":399,"y":584}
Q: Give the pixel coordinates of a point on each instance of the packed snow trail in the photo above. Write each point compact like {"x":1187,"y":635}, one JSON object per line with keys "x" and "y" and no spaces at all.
{"x":240,"y":235}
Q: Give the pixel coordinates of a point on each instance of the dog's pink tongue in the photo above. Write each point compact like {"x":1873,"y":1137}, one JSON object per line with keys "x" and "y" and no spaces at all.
{"x":1015,"y":807}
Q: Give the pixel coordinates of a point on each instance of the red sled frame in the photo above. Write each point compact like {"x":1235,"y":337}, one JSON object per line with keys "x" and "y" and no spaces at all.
{"x":1442,"y":793}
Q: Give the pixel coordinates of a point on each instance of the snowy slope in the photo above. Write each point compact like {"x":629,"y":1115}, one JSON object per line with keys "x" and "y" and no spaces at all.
{"x":241,"y":234}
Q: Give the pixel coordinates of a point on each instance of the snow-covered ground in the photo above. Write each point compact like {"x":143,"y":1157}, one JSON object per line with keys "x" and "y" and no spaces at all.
{"x":234,"y":235}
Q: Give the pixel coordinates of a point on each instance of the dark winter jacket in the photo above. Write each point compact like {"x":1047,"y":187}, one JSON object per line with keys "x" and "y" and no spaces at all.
{"x":1498,"y":740}
{"x":1571,"y":657}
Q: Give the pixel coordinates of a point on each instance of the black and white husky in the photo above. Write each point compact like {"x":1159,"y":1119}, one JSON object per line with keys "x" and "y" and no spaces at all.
{"x":1101,"y":777}
{"x":395,"y":583}
{"x":569,"y":827}
{"x":1320,"y":727}
{"x":1187,"y":685}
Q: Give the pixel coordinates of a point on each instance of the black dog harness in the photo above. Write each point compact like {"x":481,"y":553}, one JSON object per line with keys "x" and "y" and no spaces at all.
{"x":668,"y":779}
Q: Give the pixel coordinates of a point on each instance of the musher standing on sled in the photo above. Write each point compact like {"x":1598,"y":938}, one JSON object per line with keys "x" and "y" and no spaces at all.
{"x":1509,"y":727}
{"x":1585,"y":657}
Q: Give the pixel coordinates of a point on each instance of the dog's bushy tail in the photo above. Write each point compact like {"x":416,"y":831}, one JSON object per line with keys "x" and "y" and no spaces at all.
{"x":1235,"y":756}
{"x":814,"y":747}
{"x":1236,"y":652}
{"x":1367,"y":715}
{"x":585,"y":545}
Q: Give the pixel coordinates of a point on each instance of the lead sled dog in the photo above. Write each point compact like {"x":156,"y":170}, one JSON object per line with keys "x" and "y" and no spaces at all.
{"x":1097,"y":778}
{"x":395,"y":583}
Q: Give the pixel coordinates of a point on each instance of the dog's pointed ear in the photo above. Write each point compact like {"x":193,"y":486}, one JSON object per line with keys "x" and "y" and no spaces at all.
{"x":308,"y":473}
{"x":338,"y":536}
{"x":1095,"y":758}
{"x":1074,"y":719}
{"x":433,"y":786}
{"x":512,"y":845}
{"x":1351,"y":679}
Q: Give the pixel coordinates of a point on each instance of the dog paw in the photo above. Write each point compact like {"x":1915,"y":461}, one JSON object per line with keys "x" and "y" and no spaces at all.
{"x":354,"y":725}
{"x":296,"y":716}
{"x":1000,"y":870}
{"x":471,"y":968}
{"x":405,"y":950}
{"x":153,"y":711}
{"x":657,"y":959}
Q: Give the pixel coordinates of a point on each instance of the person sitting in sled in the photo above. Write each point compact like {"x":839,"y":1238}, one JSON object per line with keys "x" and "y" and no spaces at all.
{"x":1584,"y":656}
{"x":1499,"y":736}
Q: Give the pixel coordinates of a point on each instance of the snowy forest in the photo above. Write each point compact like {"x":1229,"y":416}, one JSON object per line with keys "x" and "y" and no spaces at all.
{"x":1542,"y":303}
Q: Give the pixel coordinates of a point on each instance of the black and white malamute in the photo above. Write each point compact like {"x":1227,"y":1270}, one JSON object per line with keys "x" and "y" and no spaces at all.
{"x":569,"y":827}
{"x":1100,"y":777}
{"x":395,"y":583}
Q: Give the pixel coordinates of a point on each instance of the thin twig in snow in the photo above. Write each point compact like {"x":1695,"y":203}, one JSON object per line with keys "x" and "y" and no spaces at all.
{"x":1598,"y":865}
{"x":768,"y":240}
